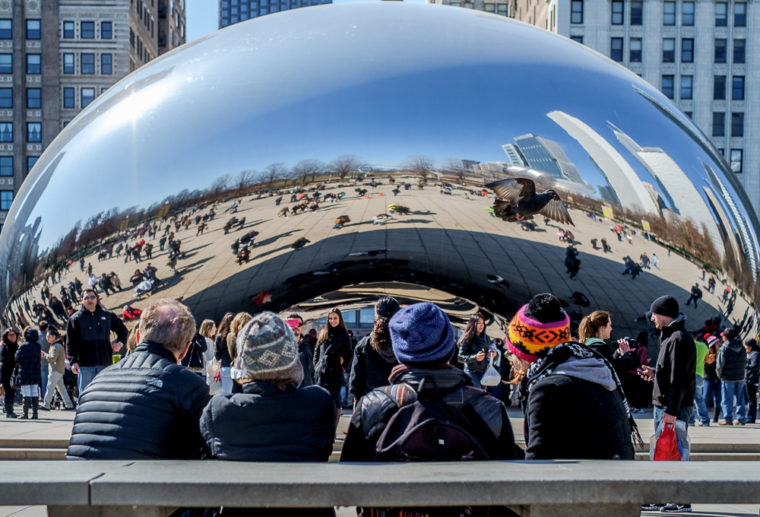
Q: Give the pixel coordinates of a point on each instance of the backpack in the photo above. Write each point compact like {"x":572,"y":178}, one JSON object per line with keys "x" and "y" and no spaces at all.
{"x":430,"y":430}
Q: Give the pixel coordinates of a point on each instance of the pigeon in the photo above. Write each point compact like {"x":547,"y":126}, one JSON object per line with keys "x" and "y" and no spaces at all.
{"x":516,"y":200}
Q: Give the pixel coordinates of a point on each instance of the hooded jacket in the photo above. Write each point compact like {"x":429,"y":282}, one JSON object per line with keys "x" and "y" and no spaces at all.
{"x":732,"y":361}
{"x":675,"y":373}
{"x":28,"y":359}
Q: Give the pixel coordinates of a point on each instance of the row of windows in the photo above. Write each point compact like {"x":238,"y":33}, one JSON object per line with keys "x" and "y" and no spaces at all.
{"x":86,"y":96}
{"x":737,"y":87}
{"x":636,"y":13}
{"x":669,"y":50}
{"x":6,"y":164}
{"x":33,"y":98}
{"x":33,"y":29}
{"x":87,"y":30}
{"x":136,"y":43}
{"x":256,"y":8}
{"x":87,"y":63}
{"x":500,"y":9}
{"x":686,"y":90}
{"x":33,"y":64}
{"x":33,"y":132}
{"x":719,"y":123}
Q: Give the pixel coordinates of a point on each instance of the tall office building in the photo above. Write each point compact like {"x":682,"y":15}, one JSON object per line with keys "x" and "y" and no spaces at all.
{"x":546,"y":155}
{"x":234,"y":11}
{"x":56,"y":57}
{"x":500,"y":7}
{"x":699,"y":54}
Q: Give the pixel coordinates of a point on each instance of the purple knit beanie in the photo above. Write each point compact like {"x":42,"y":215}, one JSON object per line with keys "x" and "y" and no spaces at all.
{"x":422,"y":334}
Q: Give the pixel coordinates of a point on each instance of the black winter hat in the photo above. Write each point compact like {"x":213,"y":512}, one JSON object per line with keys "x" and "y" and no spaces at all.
{"x":31,"y":335}
{"x":665,"y":306}
{"x":545,"y":308}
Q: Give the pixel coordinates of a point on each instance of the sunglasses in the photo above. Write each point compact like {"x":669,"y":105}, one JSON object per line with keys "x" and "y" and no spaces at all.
{"x":90,"y":297}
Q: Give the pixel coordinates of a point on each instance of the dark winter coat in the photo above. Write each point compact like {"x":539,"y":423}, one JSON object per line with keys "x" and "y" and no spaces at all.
{"x":675,"y":373}
{"x":572,"y":417}
{"x":144,"y":407}
{"x":194,"y":356}
{"x":328,"y":371}
{"x":8,"y":358}
{"x":89,"y":336}
{"x":221,"y":353}
{"x":468,"y":350}
{"x":732,"y":361}
{"x":306,"y":356}
{"x":369,"y":369}
{"x":752,"y":375}
{"x":28,"y":359}
{"x":375,"y":409}
{"x":266,"y":424}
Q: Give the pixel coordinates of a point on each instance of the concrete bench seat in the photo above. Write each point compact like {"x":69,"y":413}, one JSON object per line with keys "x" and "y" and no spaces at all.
{"x":537,"y":489}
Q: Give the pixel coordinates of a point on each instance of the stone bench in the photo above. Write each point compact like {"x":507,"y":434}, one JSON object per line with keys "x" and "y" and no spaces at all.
{"x":541,"y":488}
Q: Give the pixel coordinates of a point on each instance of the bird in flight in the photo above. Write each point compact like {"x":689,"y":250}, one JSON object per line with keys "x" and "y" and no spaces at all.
{"x":517,"y":200}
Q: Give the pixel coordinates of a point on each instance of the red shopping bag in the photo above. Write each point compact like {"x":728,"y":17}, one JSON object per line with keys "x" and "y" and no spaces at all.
{"x":666,"y":448}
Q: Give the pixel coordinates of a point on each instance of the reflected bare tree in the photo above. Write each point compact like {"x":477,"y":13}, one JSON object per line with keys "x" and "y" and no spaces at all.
{"x":422,"y":165}
{"x":345,"y":165}
{"x":274,"y":172}
{"x":307,"y":170}
{"x":245,"y":179}
{"x":457,"y":168}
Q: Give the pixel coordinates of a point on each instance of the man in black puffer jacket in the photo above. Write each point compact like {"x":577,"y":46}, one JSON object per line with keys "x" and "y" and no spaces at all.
{"x":146,"y":406}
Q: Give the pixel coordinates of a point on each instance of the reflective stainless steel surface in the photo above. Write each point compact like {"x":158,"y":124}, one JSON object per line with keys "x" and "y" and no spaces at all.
{"x":443,"y":101}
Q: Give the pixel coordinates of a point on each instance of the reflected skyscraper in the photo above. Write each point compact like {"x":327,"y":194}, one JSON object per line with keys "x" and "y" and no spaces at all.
{"x":546,"y":155}
{"x":621,"y":176}
{"x":234,"y":11}
{"x":513,"y":154}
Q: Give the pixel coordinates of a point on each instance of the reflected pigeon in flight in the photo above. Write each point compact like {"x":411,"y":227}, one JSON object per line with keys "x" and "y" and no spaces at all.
{"x":516,"y":200}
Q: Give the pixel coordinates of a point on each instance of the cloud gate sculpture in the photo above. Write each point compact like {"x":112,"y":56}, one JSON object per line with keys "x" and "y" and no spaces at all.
{"x":326,"y":154}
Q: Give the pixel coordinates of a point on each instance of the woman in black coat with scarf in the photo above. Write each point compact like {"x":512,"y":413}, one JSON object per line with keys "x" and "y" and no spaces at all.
{"x":8,"y":363}
{"x":332,"y":352}
{"x":28,"y":359}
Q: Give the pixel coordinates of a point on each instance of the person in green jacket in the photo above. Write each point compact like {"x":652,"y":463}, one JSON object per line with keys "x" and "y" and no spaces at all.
{"x":699,"y":394}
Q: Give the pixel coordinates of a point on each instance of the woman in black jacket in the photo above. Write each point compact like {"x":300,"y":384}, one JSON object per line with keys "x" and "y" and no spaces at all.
{"x":332,"y":352}
{"x":8,"y":349}
{"x":474,"y":349}
{"x":751,"y":378}
{"x":373,"y":357}
{"x":28,"y":359}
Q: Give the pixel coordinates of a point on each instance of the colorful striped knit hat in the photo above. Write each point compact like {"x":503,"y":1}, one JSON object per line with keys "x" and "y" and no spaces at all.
{"x":538,"y":326}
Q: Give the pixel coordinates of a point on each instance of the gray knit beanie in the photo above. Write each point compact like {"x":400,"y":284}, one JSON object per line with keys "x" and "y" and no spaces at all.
{"x":267,"y":350}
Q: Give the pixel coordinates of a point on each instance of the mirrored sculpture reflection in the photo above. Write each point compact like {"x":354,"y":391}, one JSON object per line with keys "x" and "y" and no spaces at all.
{"x":322,"y":149}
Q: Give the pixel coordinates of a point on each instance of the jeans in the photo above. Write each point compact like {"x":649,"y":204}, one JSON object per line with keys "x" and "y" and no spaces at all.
{"x":733,"y":396}
{"x":474,"y":377}
{"x":86,"y":374}
{"x":699,"y":401}
{"x":55,"y":381}
{"x":684,"y":414}
{"x":712,"y":393}
{"x":43,"y":376}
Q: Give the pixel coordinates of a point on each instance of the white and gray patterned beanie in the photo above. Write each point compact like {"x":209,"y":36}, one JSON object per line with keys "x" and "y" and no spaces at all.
{"x":267,"y":350}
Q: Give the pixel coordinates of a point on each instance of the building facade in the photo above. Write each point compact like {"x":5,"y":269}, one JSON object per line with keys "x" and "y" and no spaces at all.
{"x":56,"y":57}
{"x":234,"y":11}
{"x":500,"y":7}
{"x":698,"y":53}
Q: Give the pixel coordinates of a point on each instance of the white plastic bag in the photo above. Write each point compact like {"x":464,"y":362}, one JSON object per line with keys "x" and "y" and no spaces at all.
{"x":491,"y":377}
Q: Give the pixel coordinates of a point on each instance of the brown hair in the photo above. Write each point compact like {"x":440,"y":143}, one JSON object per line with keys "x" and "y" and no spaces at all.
{"x":8,"y":331}
{"x":237,"y":324}
{"x":168,"y":323}
{"x":205,"y":328}
{"x":591,"y":324}
{"x":224,"y":325}
{"x":326,"y":330}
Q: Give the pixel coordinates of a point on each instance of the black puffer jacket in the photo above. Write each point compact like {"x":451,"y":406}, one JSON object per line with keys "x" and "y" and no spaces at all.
{"x":8,"y":358}
{"x":89,"y":336}
{"x":375,"y":409}
{"x":369,"y":369}
{"x":266,"y":424}
{"x":732,"y":361}
{"x":752,"y":375}
{"x":328,"y":371}
{"x":28,"y":359}
{"x":675,"y":375}
{"x":144,"y":407}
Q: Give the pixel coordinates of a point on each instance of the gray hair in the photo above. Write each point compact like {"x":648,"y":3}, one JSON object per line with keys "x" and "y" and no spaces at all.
{"x":168,"y":323}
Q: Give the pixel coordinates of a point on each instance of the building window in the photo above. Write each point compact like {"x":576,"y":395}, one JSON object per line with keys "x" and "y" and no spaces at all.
{"x":687,"y":50}
{"x":739,"y":47}
{"x":6,"y":29}
{"x":87,"y":63}
{"x":634,"y":50}
{"x":6,"y":63}
{"x":576,"y":11}
{"x":33,"y":132}
{"x":33,"y":98}
{"x":719,"y":87}
{"x":502,"y":9}
{"x":6,"y":97}
{"x":68,"y":30}
{"x":720,"y":50}
{"x":616,"y":49}
{"x":33,"y":29}
{"x":87,"y":30}
{"x":6,"y":199}
{"x":106,"y":64}
{"x":30,"y":161}
{"x":618,"y":12}
{"x":737,"y":124}
{"x":6,"y":132}
{"x":687,"y":87}
{"x":637,"y":12}
{"x":33,"y":64}
{"x":577,"y":39}
{"x":740,"y":14}
{"x":667,"y":86}
{"x":68,"y":63}
{"x":68,"y":98}
{"x":737,"y":88}
{"x":669,"y":13}
{"x":687,"y":13}
{"x":719,"y":123}
{"x":87,"y":96}
{"x":668,"y":50}
{"x":721,"y":14}
{"x":106,"y":30}
{"x":736,"y":161}
{"x":6,"y":165}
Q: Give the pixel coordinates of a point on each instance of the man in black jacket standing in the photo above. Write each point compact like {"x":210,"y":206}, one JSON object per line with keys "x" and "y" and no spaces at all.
{"x":146,"y":406}
{"x":89,"y":338}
